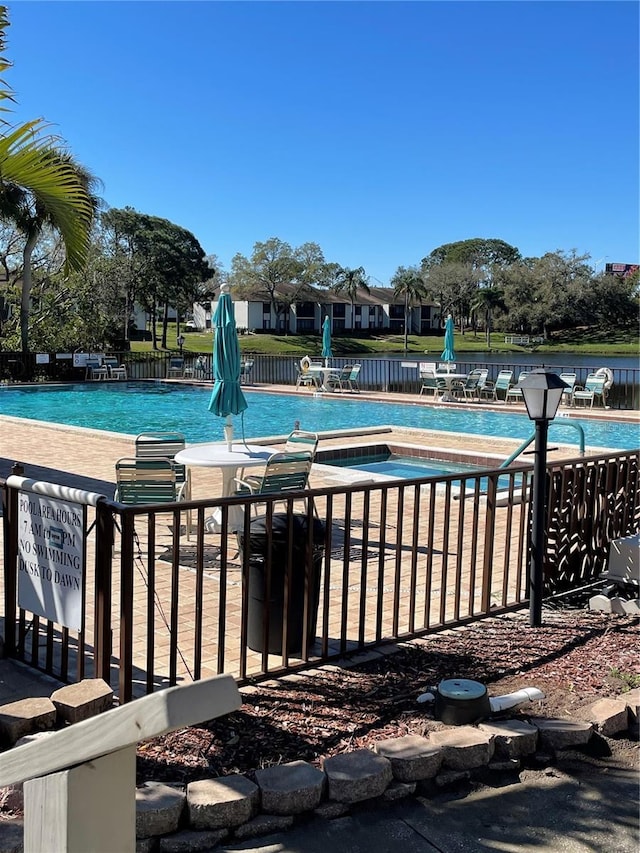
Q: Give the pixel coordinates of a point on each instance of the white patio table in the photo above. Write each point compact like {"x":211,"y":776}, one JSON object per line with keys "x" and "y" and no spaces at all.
{"x":450,"y":378}
{"x":216,"y":455}
{"x":319,"y":374}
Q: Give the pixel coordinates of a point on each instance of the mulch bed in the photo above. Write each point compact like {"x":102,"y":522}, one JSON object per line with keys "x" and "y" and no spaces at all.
{"x":577,"y":657}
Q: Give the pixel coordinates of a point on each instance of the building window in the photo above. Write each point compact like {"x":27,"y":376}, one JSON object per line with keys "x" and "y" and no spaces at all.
{"x":305,"y":309}
{"x":339,"y":311}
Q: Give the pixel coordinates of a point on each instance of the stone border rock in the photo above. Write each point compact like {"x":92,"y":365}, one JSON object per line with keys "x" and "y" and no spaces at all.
{"x":201,"y":814}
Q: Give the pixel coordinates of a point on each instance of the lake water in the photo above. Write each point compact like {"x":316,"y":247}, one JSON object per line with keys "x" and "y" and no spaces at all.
{"x":538,"y":359}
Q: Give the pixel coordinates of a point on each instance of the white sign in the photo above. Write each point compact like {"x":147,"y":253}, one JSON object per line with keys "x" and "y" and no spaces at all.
{"x":80,"y":358}
{"x":42,"y":358}
{"x":51,"y":558}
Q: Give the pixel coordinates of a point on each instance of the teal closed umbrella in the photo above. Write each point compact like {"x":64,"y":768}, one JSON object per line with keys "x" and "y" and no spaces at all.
{"x":448,"y":354}
{"x":227,"y":398}
{"x":326,"y":341}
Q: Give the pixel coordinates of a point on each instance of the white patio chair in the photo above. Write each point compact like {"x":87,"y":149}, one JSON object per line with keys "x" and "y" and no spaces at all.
{"x":570,"y":380}
{"x":432,"y":384}
{"x":592,"y":389}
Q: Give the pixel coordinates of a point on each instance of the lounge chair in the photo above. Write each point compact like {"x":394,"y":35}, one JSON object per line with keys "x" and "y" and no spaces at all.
{"x":352,"y":381}
{"x":483,"y":375}
{"x":201,"y":369}
{"x":339,"y":379}
{"x":114,"y":368}
{"x":245,"y":370}
{"x":165,"y":445}
{"x":570,"y":380}
{"x":514,"y":394}
{"x":175,"y":367}
{"x":432,"y":384}
{"x":300,"y":439}
{"x":149,"y":481}
{"x":493,"y":390}
{"x":95,"y":370}
{"x":189,"y":369}
{"x":307,"y":377}
{"x":594,"y":387}
{"x":467,"y":390}
{"x":284,"y":473}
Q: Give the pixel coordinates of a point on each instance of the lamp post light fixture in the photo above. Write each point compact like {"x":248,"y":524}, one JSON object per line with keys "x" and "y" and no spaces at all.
{"x":542,"y":392}
{"x":180,"y":342}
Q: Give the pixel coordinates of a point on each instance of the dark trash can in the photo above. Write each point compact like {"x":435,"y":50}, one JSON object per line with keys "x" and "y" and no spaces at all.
{"x":258,"y":606}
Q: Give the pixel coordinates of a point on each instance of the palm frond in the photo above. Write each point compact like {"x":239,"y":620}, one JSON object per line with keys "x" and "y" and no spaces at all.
{"x":33,"y":163}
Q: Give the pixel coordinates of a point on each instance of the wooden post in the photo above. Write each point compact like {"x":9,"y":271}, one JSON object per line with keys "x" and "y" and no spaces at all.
{"x":90,"y":808}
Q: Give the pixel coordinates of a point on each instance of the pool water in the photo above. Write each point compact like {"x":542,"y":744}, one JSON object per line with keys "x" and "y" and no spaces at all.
{"x":133,"y":407}
{"x":410,"y":468}
{"x":403,"y":467}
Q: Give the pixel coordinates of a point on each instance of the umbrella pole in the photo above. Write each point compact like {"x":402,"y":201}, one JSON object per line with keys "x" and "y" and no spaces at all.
{"x":228,"y":433}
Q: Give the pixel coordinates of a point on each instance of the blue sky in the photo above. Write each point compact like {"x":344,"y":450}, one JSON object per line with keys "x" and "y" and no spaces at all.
{"x":379,"y":130}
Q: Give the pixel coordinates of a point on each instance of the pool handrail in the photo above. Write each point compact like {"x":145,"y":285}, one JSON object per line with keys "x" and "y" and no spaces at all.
{"x":528,"y":441}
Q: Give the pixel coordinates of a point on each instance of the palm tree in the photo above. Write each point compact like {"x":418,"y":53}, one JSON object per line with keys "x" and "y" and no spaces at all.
{"x":350,"y":281}
{"x":408,"y":284}
{"x":486,"y":300}
{"x":41,"y":185}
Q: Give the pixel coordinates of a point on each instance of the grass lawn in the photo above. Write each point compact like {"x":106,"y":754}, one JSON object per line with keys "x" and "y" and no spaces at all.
{"x":579,"y":341}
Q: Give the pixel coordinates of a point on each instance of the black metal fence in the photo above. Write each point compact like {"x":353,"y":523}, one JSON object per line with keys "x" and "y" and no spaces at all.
{"x":165,"y":604}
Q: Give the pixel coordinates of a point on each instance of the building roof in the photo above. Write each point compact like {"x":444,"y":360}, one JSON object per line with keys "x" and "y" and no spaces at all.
{"x":306,"y":293}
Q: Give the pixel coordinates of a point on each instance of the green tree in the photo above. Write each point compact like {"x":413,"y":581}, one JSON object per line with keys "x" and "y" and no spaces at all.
{"x":547,"y":293}
{"x":278,"y":274}
{"x":40,"y":185}
{"x":161,"y":264}
{"x":612,"y":302}
{"x":487,"y":300}
{"x":409,"y":285}
{"x":350,"y":282}
{"x":479,"y":252}
{"x":453,"y":286}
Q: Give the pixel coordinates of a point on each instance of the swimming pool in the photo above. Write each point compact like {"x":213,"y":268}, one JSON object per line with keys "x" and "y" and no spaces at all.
{"x":405,"y":468}
{"x":134,"y":407}
{"x":386,"y":462}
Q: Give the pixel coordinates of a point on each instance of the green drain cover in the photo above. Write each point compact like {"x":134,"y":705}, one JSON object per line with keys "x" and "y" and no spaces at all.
{"x":461,"y":688}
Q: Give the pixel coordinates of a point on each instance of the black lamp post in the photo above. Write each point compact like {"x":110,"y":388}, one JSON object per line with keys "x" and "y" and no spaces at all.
{"x":542,"y":392}
{"x":180,"y":342}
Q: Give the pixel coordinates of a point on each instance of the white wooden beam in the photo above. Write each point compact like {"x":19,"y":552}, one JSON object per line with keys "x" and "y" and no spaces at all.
{"x":121,"y":727}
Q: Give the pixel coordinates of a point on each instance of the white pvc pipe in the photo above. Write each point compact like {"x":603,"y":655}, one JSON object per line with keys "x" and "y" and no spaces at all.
{"x":510,"y":700}
{"x":426,"y":697}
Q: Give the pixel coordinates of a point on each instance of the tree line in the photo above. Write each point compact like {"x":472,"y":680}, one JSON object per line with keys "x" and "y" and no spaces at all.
{"x":74,"y":269}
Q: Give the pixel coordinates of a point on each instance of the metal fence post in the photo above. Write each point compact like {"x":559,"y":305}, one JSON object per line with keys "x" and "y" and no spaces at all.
{"x":103,"y":570}
{"x":10,"y":522}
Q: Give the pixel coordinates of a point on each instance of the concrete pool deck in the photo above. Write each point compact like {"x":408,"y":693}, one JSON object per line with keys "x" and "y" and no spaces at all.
{"x":86,"y":459}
